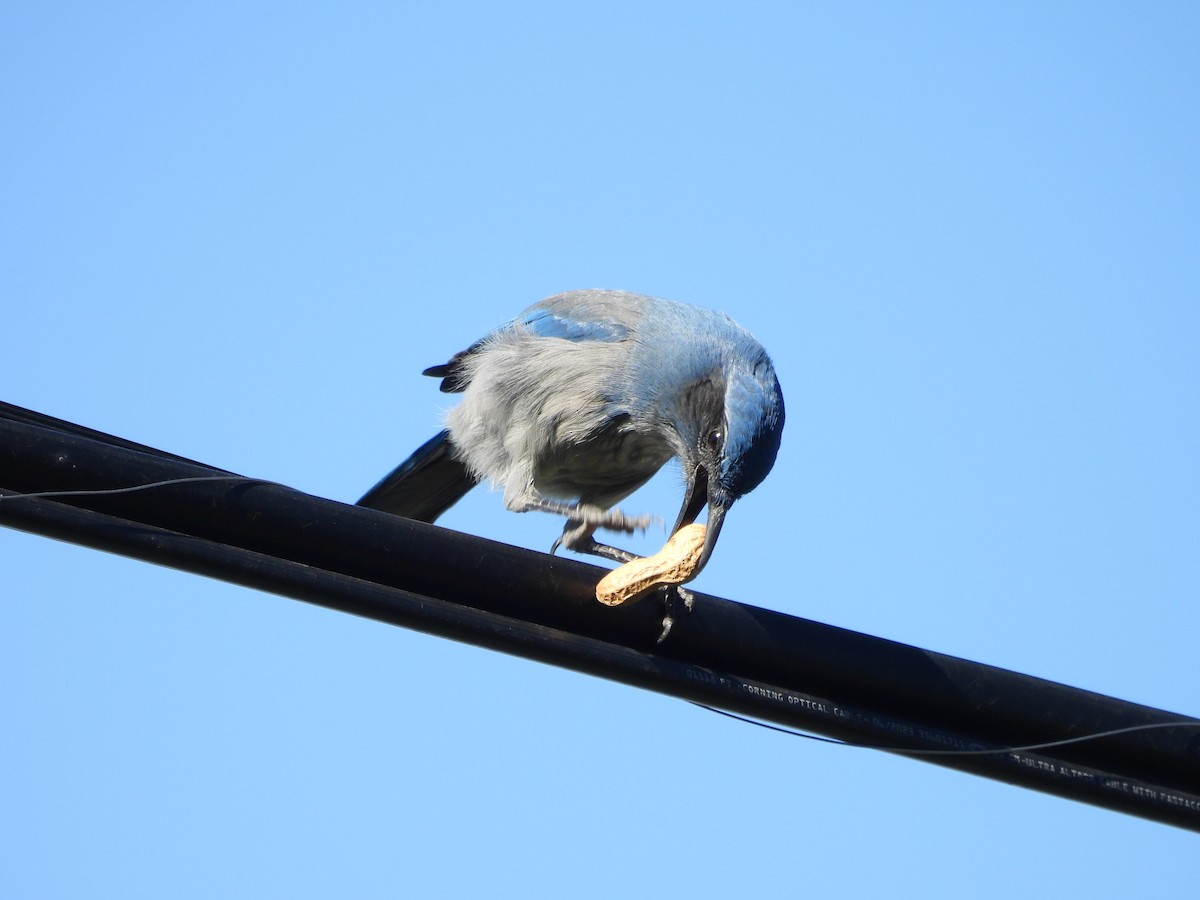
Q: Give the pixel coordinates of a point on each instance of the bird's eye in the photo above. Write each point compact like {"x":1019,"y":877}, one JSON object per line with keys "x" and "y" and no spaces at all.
{"x":716,"y":440}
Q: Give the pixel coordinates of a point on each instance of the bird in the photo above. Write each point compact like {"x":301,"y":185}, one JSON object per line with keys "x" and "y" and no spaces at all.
{"x":578,"y":401}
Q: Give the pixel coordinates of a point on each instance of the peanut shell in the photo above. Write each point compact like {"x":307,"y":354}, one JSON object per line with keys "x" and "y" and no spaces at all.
{"x":675,"y":563}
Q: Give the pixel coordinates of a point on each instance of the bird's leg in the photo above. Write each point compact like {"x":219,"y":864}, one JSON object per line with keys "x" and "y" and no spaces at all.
{"x":583,"y":519}
{"x":577,"y":536}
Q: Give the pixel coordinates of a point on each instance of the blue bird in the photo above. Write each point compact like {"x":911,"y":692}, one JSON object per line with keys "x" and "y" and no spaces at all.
{"x":581,"y":399}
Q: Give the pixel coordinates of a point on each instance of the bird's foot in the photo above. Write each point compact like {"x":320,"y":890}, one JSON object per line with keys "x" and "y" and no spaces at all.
{"x":579,"y":539}
{"x":672,"y":594}
{"x":583,"y":519}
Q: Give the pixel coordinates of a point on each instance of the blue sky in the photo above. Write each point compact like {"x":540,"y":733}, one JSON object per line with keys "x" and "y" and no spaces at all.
{"x":967,"y":235}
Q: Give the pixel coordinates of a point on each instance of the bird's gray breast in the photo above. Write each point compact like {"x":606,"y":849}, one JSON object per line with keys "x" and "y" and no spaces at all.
{"x":607,"y":466}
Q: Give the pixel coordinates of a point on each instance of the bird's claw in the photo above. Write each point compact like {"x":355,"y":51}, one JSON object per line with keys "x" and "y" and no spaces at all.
{"x":615,"y":520}
{"x":618,"y":521}
{"x":671,"y":593}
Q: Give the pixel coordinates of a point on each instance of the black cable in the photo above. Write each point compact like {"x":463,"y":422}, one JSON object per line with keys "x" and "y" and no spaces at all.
{"x":1024,"y":748}
{"x":730,"y":656}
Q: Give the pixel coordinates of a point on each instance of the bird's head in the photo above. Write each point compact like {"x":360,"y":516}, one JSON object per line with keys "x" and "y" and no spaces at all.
{"x":730,"y":424}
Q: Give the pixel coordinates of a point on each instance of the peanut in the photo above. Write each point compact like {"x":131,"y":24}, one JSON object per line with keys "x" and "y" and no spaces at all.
{"x":675,"y":563}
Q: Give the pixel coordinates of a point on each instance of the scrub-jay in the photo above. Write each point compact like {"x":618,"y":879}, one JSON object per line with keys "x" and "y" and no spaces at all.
{"x":580,"y":399}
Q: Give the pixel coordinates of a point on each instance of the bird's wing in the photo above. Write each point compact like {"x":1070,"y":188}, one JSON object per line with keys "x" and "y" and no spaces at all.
{"x":549,"y":323}
{"x":574,"y":316}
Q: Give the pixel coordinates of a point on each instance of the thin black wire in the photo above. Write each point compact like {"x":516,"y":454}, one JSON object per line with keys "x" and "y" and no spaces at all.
{"x":130,"y":489}
{"x":916,"y":752}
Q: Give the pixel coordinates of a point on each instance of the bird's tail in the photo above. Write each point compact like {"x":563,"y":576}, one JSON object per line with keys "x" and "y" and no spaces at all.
{"x":423,"y":486}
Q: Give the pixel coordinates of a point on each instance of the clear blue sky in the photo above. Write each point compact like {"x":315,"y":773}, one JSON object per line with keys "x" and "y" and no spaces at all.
{"x":238,"y":231}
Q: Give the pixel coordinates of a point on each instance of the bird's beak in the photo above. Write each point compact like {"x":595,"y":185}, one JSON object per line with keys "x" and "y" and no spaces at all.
{"x":703,"y":491}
